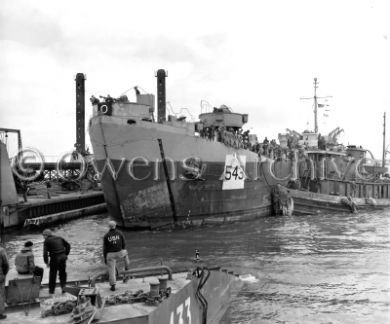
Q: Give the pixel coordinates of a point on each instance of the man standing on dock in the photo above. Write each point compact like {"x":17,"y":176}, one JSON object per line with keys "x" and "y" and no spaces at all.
{"x":114,"y":249}
{"x":58,"y":249}
{"x":4,"y":267}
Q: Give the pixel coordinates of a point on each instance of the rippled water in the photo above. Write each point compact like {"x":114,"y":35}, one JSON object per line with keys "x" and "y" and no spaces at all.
{"x":307,"y":269}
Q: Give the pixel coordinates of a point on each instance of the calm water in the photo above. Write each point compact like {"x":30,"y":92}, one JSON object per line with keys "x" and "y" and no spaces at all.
{"x":311,"y":269}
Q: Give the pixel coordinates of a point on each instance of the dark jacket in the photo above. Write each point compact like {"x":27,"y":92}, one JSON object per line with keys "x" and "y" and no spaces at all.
{"x":113,"y":241}
{"x":4,"y":265}
{"x":54,"y":245}
{"x":24,"y":261}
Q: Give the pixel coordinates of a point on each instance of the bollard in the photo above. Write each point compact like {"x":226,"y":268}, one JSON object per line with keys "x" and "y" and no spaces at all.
{"x":154,"y":290}
{"x":163,"y":283}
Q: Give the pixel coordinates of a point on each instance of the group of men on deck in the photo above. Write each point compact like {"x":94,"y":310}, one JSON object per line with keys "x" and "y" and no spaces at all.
{"x":55,"y":253}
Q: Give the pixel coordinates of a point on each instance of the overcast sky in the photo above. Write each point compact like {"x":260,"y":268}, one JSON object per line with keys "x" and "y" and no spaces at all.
{"x":257,"y":57}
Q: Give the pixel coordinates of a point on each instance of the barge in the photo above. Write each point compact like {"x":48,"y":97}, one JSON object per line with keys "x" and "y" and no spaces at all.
{"x":151,"y":296}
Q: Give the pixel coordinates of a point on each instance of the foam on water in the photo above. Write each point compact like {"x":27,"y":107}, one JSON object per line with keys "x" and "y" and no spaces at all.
{"x":248,"y":278}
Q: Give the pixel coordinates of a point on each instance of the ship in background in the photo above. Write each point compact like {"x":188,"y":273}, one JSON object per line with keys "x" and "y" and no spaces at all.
{"x":170,"y":171}
{"x":331,"y":177}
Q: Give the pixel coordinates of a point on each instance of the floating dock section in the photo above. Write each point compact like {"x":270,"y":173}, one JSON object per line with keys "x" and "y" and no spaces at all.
{"x":61,"y":209}
{"x":40,"y":211}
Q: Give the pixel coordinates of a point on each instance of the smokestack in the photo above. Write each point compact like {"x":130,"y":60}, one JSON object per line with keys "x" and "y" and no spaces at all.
{"x":161,"y":100}
{"x":80,"y":113}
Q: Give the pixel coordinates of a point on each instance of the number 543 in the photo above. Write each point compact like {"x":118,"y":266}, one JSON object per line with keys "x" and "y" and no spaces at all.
{"x":236,"y":173}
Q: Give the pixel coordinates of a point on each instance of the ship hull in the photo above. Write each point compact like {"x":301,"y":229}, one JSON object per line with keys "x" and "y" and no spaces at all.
{"x":309,"y":203}
{"x":218,"y":289}
{"x":148,"y":205}
{"x":344,"y":199}
{"x":135,"y":183}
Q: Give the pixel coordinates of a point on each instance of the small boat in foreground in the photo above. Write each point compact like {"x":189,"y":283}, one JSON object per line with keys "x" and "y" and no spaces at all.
{"x":151,"y":295}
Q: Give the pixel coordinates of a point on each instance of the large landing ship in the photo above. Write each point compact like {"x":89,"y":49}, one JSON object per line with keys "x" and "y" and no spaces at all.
{"x":160,"y":172}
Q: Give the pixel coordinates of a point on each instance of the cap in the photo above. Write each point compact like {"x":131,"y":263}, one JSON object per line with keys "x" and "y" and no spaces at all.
{"x":111,"y":224}
{"x":28,"y":244}
{"x":46,"y":232}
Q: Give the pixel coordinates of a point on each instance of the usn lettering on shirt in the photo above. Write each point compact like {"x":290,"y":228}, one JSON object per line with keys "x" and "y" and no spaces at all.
{"x":113,"y":239}
{"x":114,"y":242}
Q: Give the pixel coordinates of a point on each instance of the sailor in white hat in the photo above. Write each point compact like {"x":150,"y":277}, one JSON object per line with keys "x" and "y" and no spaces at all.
{"x":114,"y":249}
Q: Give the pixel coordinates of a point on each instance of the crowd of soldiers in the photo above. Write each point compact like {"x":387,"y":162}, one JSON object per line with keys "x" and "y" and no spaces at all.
{"x":238,"y":138}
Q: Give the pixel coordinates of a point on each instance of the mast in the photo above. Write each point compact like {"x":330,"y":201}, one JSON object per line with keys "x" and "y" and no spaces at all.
{"x":315,"y":106}
{"x":384,"y":140}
